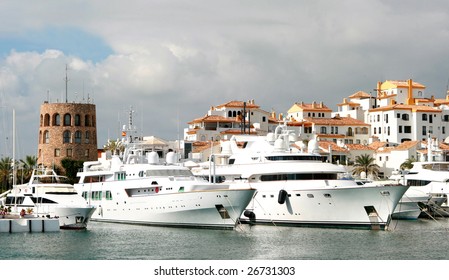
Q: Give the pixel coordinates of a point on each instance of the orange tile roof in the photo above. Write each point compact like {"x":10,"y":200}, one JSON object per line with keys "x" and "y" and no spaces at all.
{"x":345,"y":102}
{"x":331,"y":135}
{"x":236,"y":132}
{"x":213,"y":118}
{"x":238,"y":104}
{"x":311,"y":107}
{"x":406,"y":145}
{"x":200,"y":146}
{"x":359,"y":147}
{"x":402,"y":83}
{"x":337,"y":121}
{"x":360,"y":95}
{"x":377,"y":144}
{"x":335,"y":148}
{"x":412,"y":108}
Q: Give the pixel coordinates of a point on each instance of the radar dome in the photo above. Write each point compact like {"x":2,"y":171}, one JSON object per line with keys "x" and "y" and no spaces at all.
{"x":170,"y":158}
{"x":153,"y":158}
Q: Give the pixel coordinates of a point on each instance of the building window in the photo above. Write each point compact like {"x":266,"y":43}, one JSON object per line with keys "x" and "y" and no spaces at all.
{"x":323,"y":130}
{"x":375,"y":131}
{"x":430,"y":118}
{"x":264,"y":119}
{"x":47,"y":120}
{"x":66,"y":137}
{"x":78,"y":137}
{"x":86,"y":120}
{"x":57,"y":152}
{"x":57,"y":120}
{"x":398,"y":115}
{"x":424,"y":131}
{"x":400,"y":129}
{"x":46,"y":137}
{"x":443,"y":130}
{"x":67,"y":120}
{"x":405,"y":117}
{"x":424,"y":117}
{"x":86,"y":153}
{"x":77,"y":120}
{"x":69,"y":152}
{"x":86,"y":139}
{"x":407,"y":129}
{"x":388,"y":130}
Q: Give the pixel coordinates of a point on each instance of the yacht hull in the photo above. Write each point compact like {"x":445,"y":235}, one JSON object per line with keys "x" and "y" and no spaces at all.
{"x":74,"y":217}
{"x":218,"y":209}
{"x":355,"y":207}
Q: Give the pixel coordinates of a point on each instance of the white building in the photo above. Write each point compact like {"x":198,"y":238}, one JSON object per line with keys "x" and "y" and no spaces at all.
{"x":223,"y":121}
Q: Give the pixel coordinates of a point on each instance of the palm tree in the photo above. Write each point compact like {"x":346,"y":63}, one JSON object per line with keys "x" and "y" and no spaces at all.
{"x":5,"y":172}
{"x":116,"y":147}
{"x":28,"y":164}
{"x":365,"y":163}
{"x":408,"y":164}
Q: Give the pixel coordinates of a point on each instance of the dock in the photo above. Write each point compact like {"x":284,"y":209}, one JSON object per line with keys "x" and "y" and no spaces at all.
{"x":33,"y":224}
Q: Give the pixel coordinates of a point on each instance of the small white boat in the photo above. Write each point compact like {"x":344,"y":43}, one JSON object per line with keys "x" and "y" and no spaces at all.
{"x":49,"y":195}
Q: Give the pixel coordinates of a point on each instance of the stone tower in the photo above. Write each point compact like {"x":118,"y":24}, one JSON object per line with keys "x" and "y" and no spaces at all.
{"x":67,"y":130}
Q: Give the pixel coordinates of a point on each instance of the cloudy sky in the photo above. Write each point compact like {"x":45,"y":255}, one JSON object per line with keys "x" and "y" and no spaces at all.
{"x":172,"y":60}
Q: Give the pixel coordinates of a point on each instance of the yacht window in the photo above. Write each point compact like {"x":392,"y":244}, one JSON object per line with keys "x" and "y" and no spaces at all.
{"x":299,"y":176}
{"x":326,"y":195}
{"x":309,"y":195}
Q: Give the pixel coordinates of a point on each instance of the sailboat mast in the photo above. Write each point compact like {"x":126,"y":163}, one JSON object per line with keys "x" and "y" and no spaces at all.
{"x":14,"y":155}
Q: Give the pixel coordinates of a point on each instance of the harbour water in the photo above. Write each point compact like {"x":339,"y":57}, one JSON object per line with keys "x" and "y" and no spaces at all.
{"x":424,"y":239}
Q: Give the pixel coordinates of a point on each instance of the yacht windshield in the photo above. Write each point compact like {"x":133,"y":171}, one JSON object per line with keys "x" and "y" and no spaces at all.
{"x":295,"y":157}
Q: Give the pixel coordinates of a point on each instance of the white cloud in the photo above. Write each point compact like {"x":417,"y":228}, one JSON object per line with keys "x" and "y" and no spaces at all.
{"x":174,"y":59}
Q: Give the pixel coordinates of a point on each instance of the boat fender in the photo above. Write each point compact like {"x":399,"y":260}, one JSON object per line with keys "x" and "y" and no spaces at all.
{"x":249,"y":214}
{"x":156,"y":189}
{"x":282,"y":196}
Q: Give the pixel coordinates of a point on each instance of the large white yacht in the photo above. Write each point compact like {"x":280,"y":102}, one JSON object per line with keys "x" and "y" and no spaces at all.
{"x":137,"y":187}
{"x":49,"y":195}
{"x":431,"y":179}
{"x":297,"y":188}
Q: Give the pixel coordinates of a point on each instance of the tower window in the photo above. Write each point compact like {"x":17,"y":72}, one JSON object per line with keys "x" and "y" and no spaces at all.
{"x":78,"y":137}
{"x":66,"y":136}
{"x":67,"y":120}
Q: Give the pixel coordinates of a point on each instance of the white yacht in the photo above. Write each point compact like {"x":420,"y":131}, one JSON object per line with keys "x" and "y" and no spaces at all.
{"x":430,"y":179}
{"x":137,"y":187}
{"x":298,"y":188}
{"x":49,"y":195}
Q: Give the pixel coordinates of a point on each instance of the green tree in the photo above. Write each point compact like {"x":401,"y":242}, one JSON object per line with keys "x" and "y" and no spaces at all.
{"x":5,"y":174}
{"x":116,"y":147}
{"x":28,"y":165}
{"x":71,"y":168}
{"x":408,"y":164}
{"x":365,"y":163}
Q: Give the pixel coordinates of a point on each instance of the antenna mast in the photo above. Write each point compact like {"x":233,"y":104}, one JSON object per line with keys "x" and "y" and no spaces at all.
{"x":66,"y":82}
